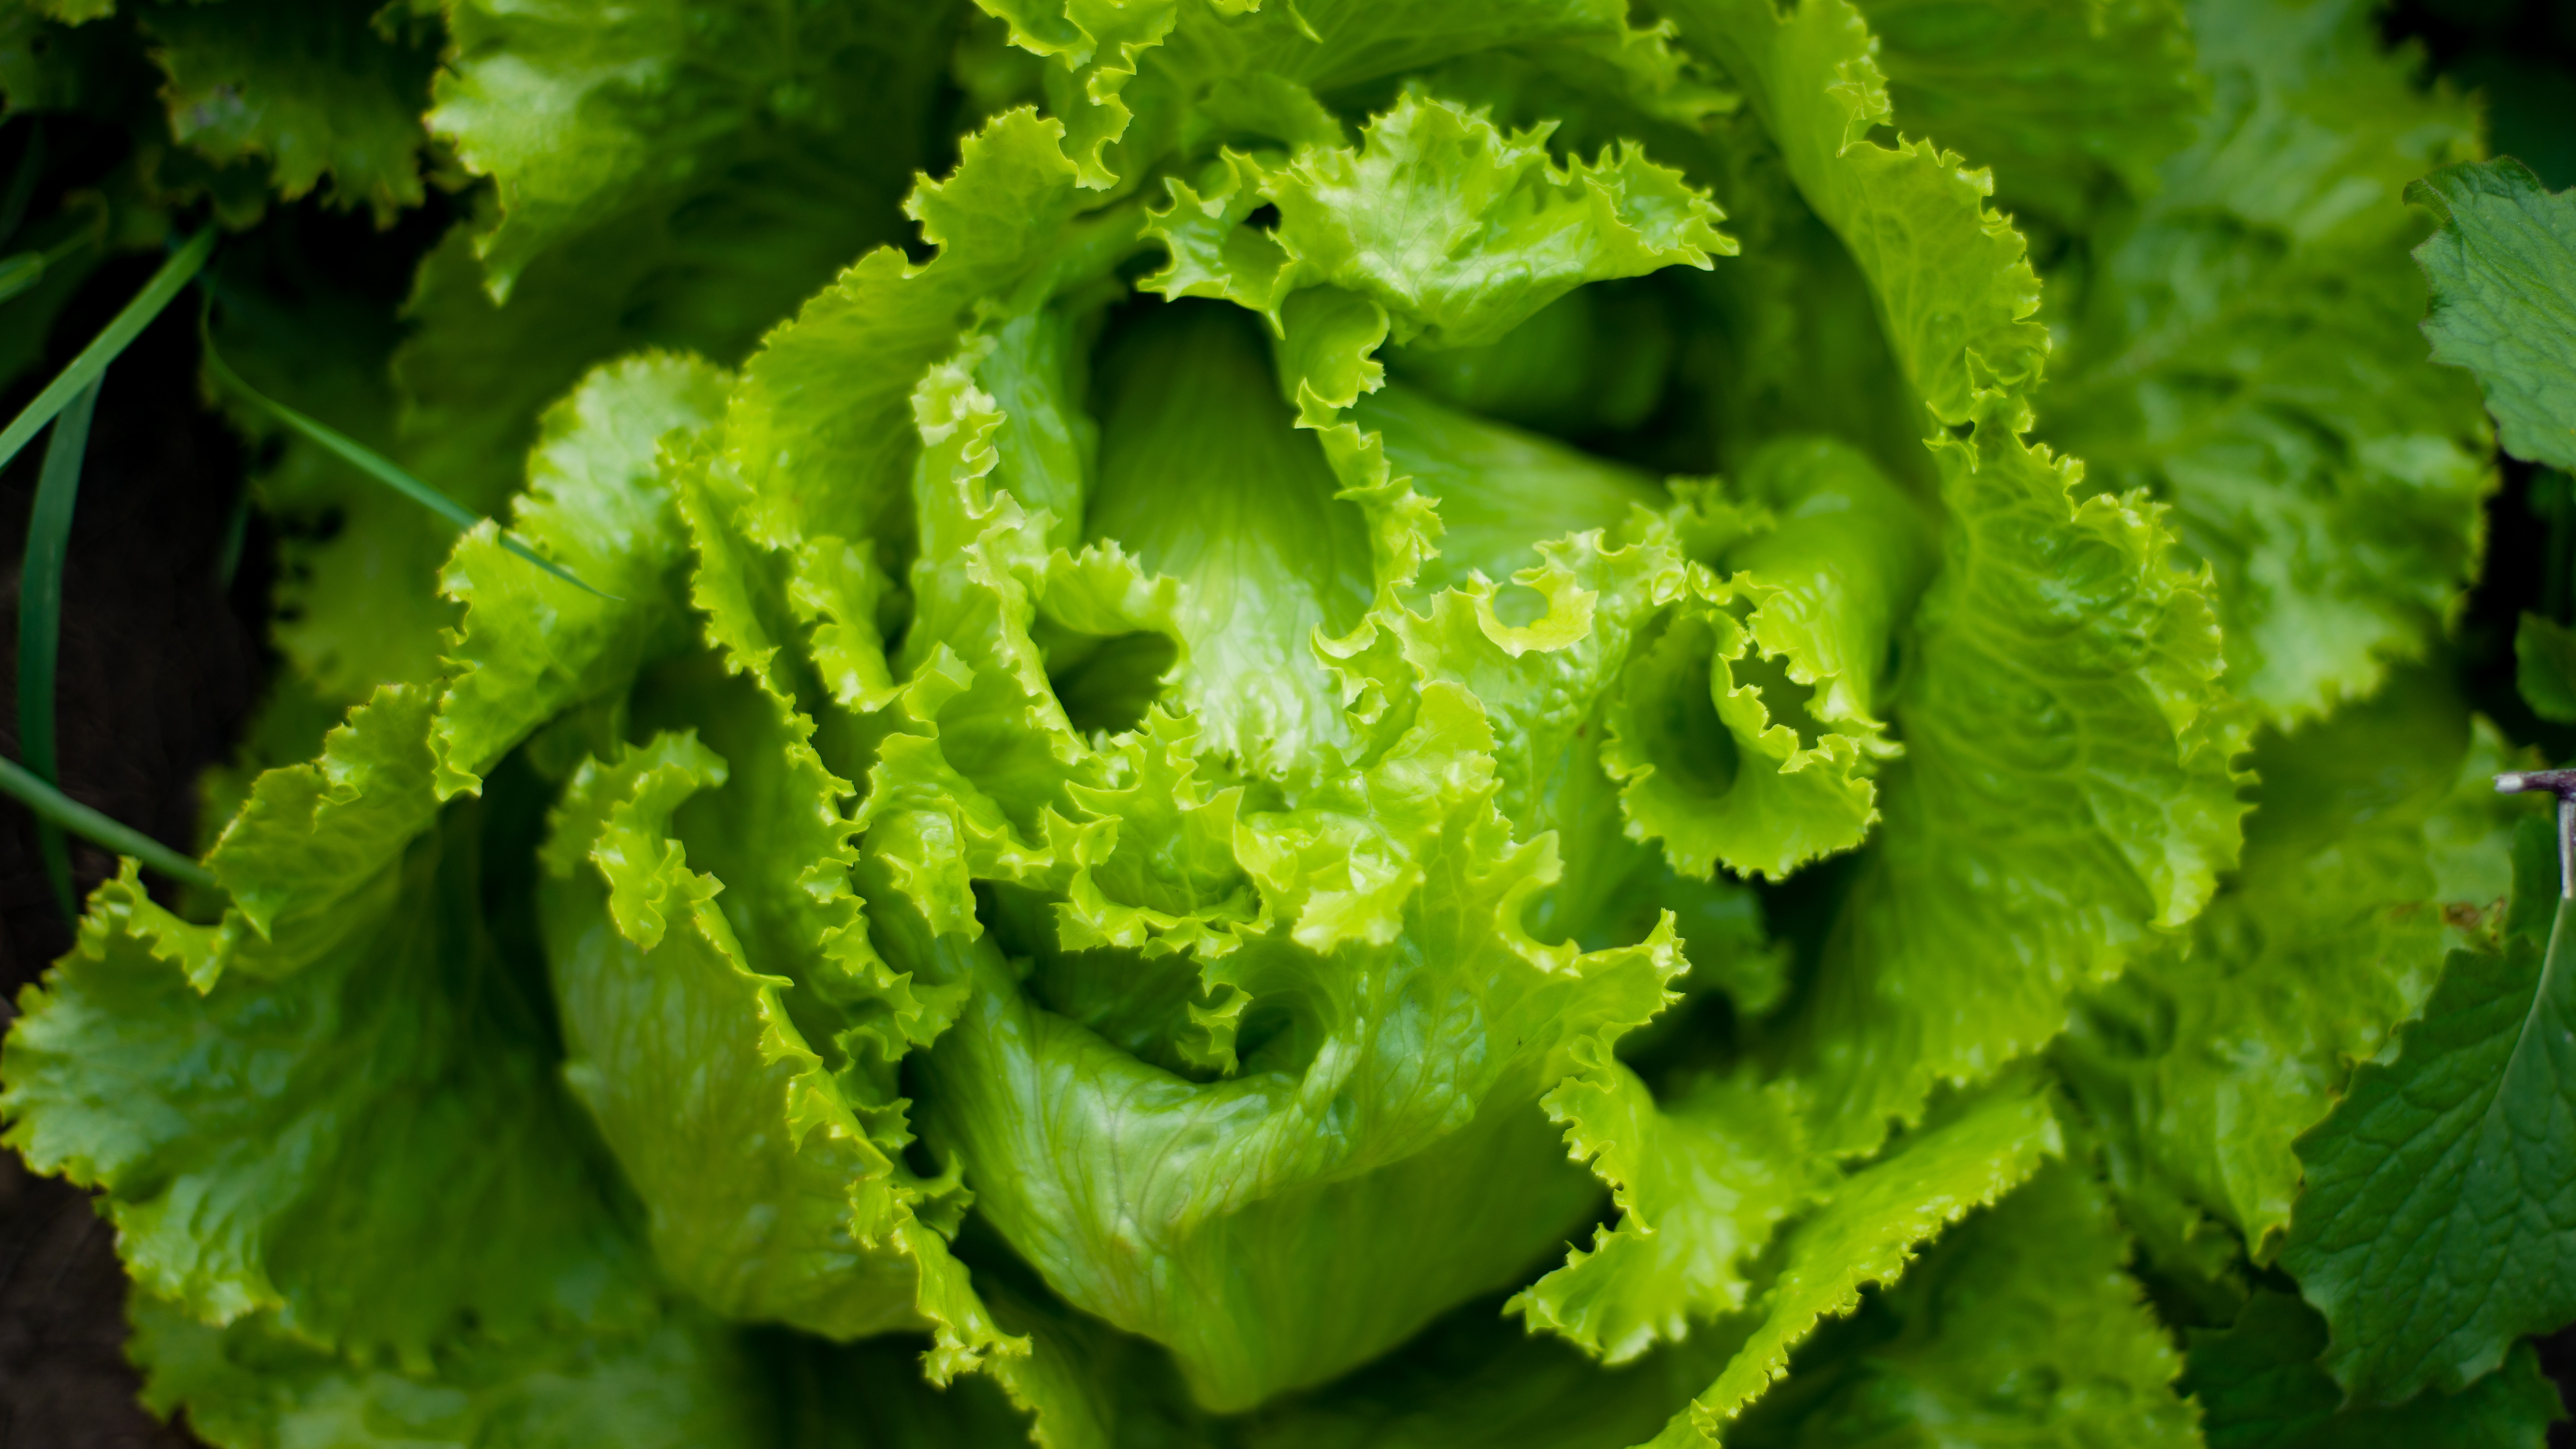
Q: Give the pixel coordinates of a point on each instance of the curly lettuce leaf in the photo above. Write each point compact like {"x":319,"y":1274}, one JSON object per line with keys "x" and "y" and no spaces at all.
{"x":811,"y":1222}
{"x":1701,"y":1177}
{"x":2245,"y":349}
{"x":2020,"y":1325}
{"x":1746,"y":734}
{"x":323,"y":89}
{"x":374,"y":1151}
{"x":677,"y":1382}
{"x":2066,"y":789}
{"x":1460,"y":231}
{"x":2502,"y":265}
{"x":2375,"y":839}
{"x":1963,"y":1158}
{"x":532,"y":645}
{"x":1383,"y":1130}
{"x":2434,"y":1229}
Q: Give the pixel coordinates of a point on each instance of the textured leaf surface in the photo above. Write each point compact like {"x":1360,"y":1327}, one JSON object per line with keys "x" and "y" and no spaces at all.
{"x":2376,"y":837}
{"x":2246,"y":349}
{"x":2073,"y":107}
{"x":327,"y":89}
{"x":374,"y":1149}
{"x":2439,"y":1222}
{"x":1872,"y":1227}
{"x":2503,"y":271}
{"x":2260,"y":1387}
{"x":2021,"y":1326}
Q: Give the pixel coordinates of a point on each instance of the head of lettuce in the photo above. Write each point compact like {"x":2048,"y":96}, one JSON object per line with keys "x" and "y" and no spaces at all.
{"x":1166,"y":787}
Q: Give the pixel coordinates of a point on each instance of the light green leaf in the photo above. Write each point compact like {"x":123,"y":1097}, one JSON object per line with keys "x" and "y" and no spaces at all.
{"x":1463,"y":232}
{"x":1746,"y":734}
{"x":1700,"y":1180}
{"x":2436,"y":1224}
{"x":532,"y":645}
{"x":1205,"y":478}
{"x":1460,"y":231}
{"x":1390,"y":1133}
{"x":809,"y":1221}
{"x":2503,"y":271}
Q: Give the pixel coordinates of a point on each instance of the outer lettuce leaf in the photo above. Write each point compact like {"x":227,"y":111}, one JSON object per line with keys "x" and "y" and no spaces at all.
{"x":1961,"y":1159}
{"x":1700,"y":1178}
{"x":321,"y":88}
{"x":2245,"y":349}
{"x":809,"y":1222}
{"x":2202,"y":1064}
{"x":373,"y":1150}
{"x":633,"y":227}
{"x":583,"y":115}
{"x":2434,"y":1228}
{"x":2503,"y":267}
{"x":679,"y":1382}
{"x":2020,"y":1326}
{"x":2073,"y":106}
{"x":1970,"y":295}
{"x":2260,"y":1387}
{"x":532,"y":645}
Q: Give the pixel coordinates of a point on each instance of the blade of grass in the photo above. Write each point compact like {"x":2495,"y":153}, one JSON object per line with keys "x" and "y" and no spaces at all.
{"x":370,"y":462}
{"x":55,"y":807}
{"x":40,"y":616}
{"x":104,"y":348}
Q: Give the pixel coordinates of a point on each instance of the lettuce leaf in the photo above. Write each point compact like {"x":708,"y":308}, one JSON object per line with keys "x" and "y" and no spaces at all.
{"x":2245,"y":348}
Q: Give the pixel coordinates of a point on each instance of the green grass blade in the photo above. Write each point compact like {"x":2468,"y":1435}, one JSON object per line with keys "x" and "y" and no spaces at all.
{"x":56,"y":808}
{"x":104,"y":348}
{"x":40,"y":617}
{"x":372,"y":463}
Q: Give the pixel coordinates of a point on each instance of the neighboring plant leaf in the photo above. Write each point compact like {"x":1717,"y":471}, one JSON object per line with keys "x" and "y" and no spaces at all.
{"x":2260,"y":1386}
{"x":2439,"y":1221}
{"x":2503,"y":271}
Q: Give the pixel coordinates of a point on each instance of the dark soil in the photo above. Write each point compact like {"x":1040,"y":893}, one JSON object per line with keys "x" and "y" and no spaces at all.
{"x":158,"y":669}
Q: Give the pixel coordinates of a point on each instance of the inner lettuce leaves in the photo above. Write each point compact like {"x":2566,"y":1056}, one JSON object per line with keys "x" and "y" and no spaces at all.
{"x":1390,"y":725}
